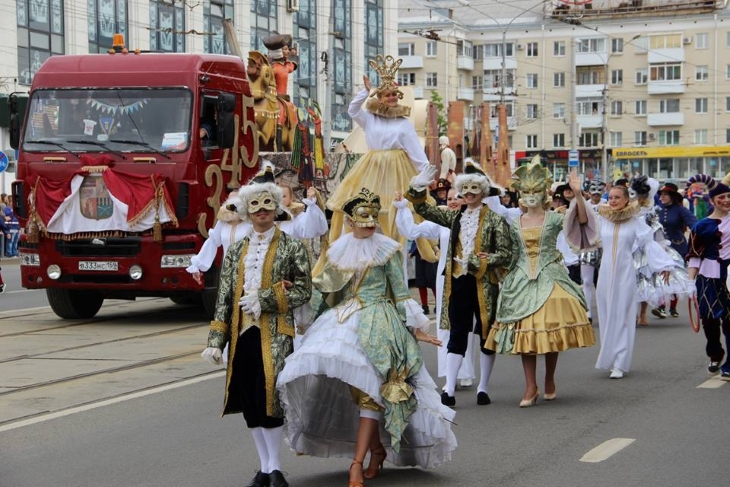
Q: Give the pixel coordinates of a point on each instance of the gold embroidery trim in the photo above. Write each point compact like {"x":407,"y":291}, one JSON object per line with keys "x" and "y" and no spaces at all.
{"x":219,"y":326}
{"x":481,"y":298}
{"x":235,"y":317}
{"x":267,"y":354}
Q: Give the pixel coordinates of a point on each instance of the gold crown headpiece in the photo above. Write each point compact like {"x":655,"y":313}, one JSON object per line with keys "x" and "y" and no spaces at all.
{"x":386,"y":67}
{"x":363,"y":208}
{"x":532,"y":177}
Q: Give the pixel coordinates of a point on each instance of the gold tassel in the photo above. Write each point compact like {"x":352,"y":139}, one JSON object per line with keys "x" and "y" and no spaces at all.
{"x":33,"y":231}
{"x":157,"y":230}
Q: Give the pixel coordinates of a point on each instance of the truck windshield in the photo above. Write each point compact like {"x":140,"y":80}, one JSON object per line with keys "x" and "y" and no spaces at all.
{"x":69,"y":119}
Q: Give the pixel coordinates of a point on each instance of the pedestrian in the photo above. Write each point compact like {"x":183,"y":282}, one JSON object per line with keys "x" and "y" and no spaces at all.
{"x":540,"y":311}
{"x":263,"y":278}
{"x":479,"y":248}
{"x":359,"y":367}
{"x":621,"y":231}
{"x":709,"y":257}
{"x":11,"y":220}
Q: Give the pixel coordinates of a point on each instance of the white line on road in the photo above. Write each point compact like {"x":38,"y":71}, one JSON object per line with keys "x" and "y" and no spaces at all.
{"x":109,"y":402}
{"x":606,"y":450}
{"x":712,"y":383}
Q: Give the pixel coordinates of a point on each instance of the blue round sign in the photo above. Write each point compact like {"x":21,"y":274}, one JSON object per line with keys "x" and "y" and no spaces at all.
{"x":3,"y":161}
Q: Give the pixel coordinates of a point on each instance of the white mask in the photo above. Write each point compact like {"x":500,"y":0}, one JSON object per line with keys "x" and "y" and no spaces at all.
{"x":532,"y":200}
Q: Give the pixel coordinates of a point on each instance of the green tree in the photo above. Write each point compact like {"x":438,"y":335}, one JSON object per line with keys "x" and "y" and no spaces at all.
{"x":441,"y":110}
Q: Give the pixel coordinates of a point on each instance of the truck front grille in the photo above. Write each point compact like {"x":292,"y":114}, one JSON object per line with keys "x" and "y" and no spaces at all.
{"x":100,"y":247}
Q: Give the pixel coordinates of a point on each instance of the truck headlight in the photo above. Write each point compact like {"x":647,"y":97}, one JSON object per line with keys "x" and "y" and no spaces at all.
{"x":175,"y":261}
{"x":135,"y":272}
{"x":54,"y":271}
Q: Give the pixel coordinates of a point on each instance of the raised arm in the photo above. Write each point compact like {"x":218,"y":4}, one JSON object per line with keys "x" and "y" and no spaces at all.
{"x":408,"y":227}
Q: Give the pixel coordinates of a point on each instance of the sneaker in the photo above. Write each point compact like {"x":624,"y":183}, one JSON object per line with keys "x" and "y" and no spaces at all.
{"x":616,"y":373}
{"x":713,"y":367}
{"x":465,"y":382}
{"x":659,"y":312}
{"x":725,"y":376}
{"x":2,"y":288}
{"x":673,"y":313}
{"x":447,"y":400}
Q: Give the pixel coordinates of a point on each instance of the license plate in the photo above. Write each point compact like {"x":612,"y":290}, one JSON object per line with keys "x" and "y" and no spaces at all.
{"x":98,"y":265}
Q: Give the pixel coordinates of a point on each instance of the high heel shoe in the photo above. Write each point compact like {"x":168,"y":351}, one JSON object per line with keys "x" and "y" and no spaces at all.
{"x":527,"y":403}
{"x":377,"y":457}
{"x":355,"y":483}
{"x":550,"y":397}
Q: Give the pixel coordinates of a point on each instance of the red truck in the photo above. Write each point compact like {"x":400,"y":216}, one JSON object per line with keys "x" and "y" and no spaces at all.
{"x":123,"y":162}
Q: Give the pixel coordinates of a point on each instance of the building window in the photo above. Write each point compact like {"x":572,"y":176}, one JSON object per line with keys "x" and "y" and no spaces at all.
{"x":431,"y":80}
{"x":532,"y":80}
{"x":531,"y":141}
{"x":40,"y":35}
{"x":105,"y":18}
{"x":305,"y":31}
{"x":642,"y":76}
{"x":701,"y":105}
{"x":588,"y":139}
{"x":263,"y":22}
{"x":640,"y":107}
{"x":669,"y":137}
{"x":727,"y":136}
{"x":493,"y":77}
{"x":701,"y":41}
{"x":666,"y":72}
{"x":559,"y":48}
{"x":588,"y":107}
{"x":407,"y":79}
{"x":495,"y":49}
{"x":640,"y":138}
{"x":669,"y":105}
{"x":559,"y":110}
{"x":559,"y":80}
{"x":727,"y":39}
{"x":214,"y":12}
{"x":532,"y":49}
{"x":617,"y":139}
{"x":592,"y":45}
{"x":701,"y":136}
{"x":531,"y":111}
{"x":701,"y":73}
{"x":670,"y":41}
{"x":727,"y":103}
{"x":478,"y":53}
{"x":509,"y":108}
{"x":617,"y":45}
{"x":167,"y":26}
{"x":617,"y":107}
{"x":617,"y":76}
{"x":341,"y":61}
{"x":406,"y":49}
{"x":589,"y":75}
{"x":431,"y":48}
{"x":374,"y":38}
{"x":477,"y":83}
{"x":463,"y":48}
{"x":558,"y":140}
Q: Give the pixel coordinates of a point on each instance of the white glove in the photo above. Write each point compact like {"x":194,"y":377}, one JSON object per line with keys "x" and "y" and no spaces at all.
{"x":249,"y":303}
{"x":400,"y":204}
{"x":212,"y":355}
{"x":309,"y":202}
{"x":691,"y":287}
{"x":424,"y":179}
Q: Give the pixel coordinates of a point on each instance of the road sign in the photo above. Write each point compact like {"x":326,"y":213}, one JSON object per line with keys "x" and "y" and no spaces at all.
{"x":573,"y":158}
{"x":3,"y":161}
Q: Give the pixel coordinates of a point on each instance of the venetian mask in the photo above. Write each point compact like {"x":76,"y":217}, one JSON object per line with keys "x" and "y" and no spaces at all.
{"x":261,"y":201}
{"x":532,"y":200}
{"x":365,"y":216}
{"x":471,"y":187}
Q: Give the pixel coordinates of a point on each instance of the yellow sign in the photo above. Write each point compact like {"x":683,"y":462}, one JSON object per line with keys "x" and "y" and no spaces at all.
{"x":675,"y":151}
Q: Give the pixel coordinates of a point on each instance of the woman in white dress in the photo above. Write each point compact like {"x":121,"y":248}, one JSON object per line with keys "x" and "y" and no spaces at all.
{"x":621,"y":231}
{"x":358,"y":375}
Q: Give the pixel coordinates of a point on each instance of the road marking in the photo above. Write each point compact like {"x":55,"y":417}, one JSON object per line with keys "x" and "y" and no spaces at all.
{"x":109,"y":402}
{"x":712,"y":383}
{"x":606,"y":450}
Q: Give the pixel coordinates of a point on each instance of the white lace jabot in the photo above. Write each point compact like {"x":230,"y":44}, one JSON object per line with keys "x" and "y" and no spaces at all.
{"x":350,"y":253}
{"x":469,"y":227}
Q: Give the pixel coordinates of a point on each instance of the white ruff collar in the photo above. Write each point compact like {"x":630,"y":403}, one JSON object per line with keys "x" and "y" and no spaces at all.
{"x":350,"y":254}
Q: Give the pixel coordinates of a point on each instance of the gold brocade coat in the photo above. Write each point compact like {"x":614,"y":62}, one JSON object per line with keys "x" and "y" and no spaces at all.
{"x":493,"y":237}
{"x":286,"y":260}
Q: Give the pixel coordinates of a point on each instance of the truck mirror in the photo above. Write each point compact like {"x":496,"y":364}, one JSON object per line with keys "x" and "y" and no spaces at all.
{"x":226,"y":104}
{"x":14,"y":121}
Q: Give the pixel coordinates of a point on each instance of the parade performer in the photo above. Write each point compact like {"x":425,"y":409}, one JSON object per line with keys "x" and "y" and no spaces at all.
{"x":441,"y":192}
{"x":412,"y":230}
{"x":448,"y":159}
{"x":540,"y":310}
{"x":264,"y":277}
{"x":283,"y":61}
{"x":675,"y":220}
{"x":479,"y":248}
{"x":360,"y":367}
{"x":709,"y":257}
{"x":396,"y":154}
{"x":621,"y":231}
{"x":589,"y":261}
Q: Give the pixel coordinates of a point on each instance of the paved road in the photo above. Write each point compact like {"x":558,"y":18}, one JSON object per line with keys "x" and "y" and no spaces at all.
{"x":103,"y":433}
{"x":15,"y":296}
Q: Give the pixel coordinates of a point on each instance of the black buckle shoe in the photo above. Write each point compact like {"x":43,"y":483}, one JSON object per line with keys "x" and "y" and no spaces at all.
{"x":713,"y":367}
{"x":260,"y":480}
{"x":447,"y":400}
{"x":277,"y":479}
{"x":483,"y":399}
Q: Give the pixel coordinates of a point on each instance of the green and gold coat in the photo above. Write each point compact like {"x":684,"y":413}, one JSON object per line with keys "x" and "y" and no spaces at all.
{"x":286,"y":260}
{"x":493,"y":238}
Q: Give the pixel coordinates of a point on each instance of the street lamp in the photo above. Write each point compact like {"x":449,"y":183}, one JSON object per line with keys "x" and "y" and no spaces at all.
{"x":604,"y":121}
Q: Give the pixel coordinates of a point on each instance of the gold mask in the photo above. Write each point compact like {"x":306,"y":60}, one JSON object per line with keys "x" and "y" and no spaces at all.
{"x":363,"y":208}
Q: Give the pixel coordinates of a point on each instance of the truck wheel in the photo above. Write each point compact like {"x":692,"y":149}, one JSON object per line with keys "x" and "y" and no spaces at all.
{"x":73,"y":305}
{"x":210,"y":291}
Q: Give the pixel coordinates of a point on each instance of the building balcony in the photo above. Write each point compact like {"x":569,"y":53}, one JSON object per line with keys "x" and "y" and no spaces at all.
{"x":464,"y":93}
{"x":494,"y":124}
{"x":664,"y":87}
{"x":589,"y":121}
{"x":497,"y":90}
{"x":465,"y":62}
{"x":411,"y":62}
{"x":664,"y":119}
{"x":417,"y":92}
{"x":492,"y":63}
{"x":662,"y":56}
{"x":589,"y":91}
{"x":590,"y":58}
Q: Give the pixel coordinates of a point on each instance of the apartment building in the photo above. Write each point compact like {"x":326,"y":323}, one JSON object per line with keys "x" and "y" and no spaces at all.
{"x":643,"y":86}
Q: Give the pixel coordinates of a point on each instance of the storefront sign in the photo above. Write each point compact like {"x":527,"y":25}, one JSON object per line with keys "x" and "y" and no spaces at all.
{"x":667,"y":152}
